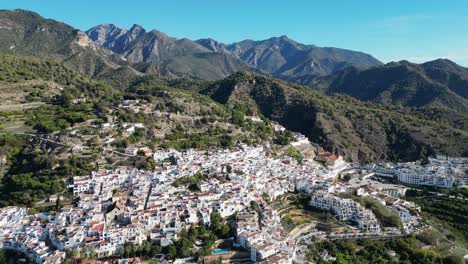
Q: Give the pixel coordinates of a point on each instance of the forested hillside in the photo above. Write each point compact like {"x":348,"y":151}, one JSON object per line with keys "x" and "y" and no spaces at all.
{"x":439,"y":83}
{"x":361,"y":131}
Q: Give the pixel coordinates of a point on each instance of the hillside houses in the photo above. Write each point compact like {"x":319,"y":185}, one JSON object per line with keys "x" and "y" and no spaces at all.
{"x":440,"y":172}
{"x":345,"y":210}
{"x":331,"y":160}
{"x":127,"y":205}
{"x":115,"y":217}
{"x":424,"y":176}
{"x":25,"y":233}
{"x":265,"y":239}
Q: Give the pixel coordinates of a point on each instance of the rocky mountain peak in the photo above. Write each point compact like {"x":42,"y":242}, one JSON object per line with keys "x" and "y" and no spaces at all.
{"x":280,"y":56}
{"x":102,"y":33}
{"x":159,"y":34}
{"x":213,"y":45}
{"x":137,"y":29}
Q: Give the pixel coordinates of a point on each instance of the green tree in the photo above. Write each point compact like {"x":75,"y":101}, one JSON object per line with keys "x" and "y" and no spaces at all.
{"x":283,"y":137}
{"x":209,"y":239}
{"x":2,"y":256}
{"x":226,"y":141}
{"x":171,"y":251}
{"x":155,"y":250}
{"x":58,"y":203}
{"x":184,"y":246}
{"x":347,"y":177}
{"x":228,"y":168}
{"x":204,"y":251}
{"x":193,"y":233}
{"x":237,"y":117}
{"x":453,"y":260}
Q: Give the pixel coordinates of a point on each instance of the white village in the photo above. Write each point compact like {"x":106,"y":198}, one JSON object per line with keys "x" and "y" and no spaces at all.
{"x":125,"y":205}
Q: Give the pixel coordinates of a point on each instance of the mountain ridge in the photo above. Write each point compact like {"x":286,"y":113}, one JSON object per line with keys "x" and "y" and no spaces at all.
{"x":361,"y":131}
{"x":280,"y":57}
{"x":177,"y":57}
{"x":27,"y":33}
{"x":415,"y":85}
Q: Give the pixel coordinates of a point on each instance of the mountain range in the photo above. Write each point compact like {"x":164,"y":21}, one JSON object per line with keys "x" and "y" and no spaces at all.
{"x":400,"y":110}
{"x":358,"y":130}
{"x":209,"y":59}
{"x":440,"y":82}
{"x":27,"y":33}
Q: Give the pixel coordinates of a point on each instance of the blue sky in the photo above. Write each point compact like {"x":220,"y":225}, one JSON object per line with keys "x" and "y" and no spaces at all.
{"x":416,"y":30}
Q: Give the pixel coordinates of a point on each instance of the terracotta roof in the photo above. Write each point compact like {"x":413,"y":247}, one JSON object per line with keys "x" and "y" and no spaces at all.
{"x":97,"y":228}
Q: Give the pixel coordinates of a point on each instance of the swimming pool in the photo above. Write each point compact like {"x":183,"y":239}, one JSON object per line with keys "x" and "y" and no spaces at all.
{"x":220,"y":251}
